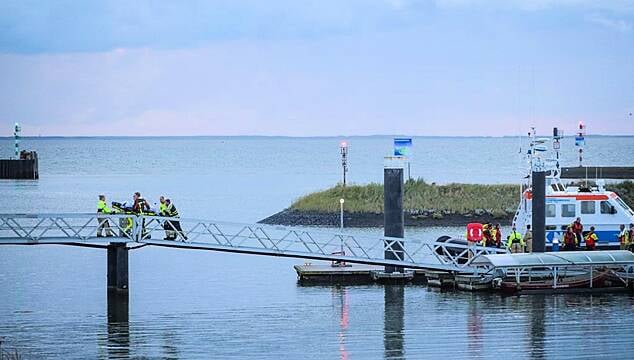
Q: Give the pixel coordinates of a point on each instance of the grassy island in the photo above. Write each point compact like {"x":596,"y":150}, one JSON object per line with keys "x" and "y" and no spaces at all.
{"x":424,"y":204}
{"x":420,"y":199}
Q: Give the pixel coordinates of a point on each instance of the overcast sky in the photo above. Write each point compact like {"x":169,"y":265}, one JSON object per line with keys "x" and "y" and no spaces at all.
{"x":308,"y":68}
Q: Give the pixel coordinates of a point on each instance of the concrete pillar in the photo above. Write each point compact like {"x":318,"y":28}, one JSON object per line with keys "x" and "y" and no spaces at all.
{"x":117,"y":267}
{"x":393,"y":211}
{"x":538,"y":225}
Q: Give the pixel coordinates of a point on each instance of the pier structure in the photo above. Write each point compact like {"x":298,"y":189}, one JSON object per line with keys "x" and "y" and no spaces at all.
{"x":254,"y":239}
{"x":441,"y":263}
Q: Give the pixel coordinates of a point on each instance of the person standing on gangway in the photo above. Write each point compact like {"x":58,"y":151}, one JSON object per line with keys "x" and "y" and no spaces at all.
{"x":103,"y":224}
{"x":173,"y":225}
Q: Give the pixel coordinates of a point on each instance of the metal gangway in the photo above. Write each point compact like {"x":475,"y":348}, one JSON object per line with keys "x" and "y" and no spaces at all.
{"x":137,"y":231}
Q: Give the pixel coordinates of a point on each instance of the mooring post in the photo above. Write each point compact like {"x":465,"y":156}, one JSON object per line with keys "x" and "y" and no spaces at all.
{"x":538,"y":211}
{"x":118,"y":267}
{"x":394,"y":220}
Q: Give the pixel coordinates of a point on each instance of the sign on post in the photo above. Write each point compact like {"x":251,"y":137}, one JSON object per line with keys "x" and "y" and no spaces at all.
{"x":402,"y":146}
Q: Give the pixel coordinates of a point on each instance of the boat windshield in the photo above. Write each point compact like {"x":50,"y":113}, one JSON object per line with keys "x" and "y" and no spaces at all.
{"x":624,"y":205}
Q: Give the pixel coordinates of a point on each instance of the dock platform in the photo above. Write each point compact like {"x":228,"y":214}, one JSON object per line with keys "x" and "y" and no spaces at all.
{"x":356,"y":274}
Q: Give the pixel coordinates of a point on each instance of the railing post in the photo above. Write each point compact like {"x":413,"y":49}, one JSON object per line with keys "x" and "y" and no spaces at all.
{"x":117,"y":267}
{"x":394,"y":220}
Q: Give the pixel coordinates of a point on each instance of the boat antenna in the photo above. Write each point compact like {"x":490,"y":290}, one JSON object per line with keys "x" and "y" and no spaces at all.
{"x":557,"y":135}
{"x":580,"y":141}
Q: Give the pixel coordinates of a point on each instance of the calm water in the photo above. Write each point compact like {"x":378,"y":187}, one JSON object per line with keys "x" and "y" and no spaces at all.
{"x":189,"y":304}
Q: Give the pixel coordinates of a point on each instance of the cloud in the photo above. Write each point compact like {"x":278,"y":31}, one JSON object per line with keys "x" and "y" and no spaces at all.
{"x":613,"y":24}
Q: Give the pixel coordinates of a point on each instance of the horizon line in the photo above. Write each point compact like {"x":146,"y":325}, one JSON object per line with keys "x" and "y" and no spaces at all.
{"x":10,"y":137}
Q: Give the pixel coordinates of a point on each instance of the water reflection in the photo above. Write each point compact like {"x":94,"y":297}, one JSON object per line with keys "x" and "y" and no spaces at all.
{"x":118,"y":342}
{"x":393,"y":322}
{"x":537,"y":327}
{"x":341,"y":304}
{"x":474,"y":327}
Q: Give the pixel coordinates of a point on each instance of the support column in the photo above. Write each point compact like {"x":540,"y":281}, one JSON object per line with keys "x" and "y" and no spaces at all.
{"x":538,"y":211}
{"x":393,"y":211}
{"x":117,"y":267}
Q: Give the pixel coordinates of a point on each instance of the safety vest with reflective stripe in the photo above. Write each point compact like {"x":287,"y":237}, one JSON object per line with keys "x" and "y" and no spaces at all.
{"x":591,"y":239}
{"x":171,"y":210}
{"x":514,"y":238}
{"x":102,"y":207}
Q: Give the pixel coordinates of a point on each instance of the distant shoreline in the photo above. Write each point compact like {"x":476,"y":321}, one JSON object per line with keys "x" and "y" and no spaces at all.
{"x":62,"y":137}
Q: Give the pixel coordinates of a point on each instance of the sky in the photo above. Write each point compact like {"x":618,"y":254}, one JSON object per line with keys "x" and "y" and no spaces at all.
{"x":316,"y":67}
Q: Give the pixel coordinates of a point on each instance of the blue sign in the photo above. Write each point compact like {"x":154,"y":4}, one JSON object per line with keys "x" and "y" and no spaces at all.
{"x":402,"y":146}
{"x":579,"y":140}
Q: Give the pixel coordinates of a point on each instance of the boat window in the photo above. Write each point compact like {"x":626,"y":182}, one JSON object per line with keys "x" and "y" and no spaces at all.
{"x":550,"y":210}
{"x":587,"y":207}
{"x":606,"y":207}
{"x":568,"y":210}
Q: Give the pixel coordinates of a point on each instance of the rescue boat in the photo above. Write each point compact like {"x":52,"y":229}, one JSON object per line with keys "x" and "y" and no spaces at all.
{"x":595,"y":205}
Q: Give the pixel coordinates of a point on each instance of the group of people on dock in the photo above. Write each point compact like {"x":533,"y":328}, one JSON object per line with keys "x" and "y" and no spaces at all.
{"x":140,"y":206}
{"x":573,"y":237}
{"x":492,"y":237}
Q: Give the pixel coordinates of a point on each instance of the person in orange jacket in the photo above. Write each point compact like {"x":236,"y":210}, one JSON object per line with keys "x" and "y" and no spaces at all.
{"x":591,"y":239}
{"x":570,"y":240}
{"x":577,"y":229}
{"x":498,"y":235}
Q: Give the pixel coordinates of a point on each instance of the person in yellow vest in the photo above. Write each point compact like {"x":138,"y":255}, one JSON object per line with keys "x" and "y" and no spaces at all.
{"x":591,"y":239}
{"x":487,"y":235}
{"x":103,"y":224}
{"x":515,"y":241}
{"x":497,"y":236}
{"x":624,"y":238}
{"x":170,"y":234}
{"x":494,"y":233}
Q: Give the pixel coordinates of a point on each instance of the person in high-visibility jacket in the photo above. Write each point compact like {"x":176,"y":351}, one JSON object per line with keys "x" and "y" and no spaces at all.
{"x":515,"y":241}
{"x":174,"y":225}
{"x":103,"y":224}
{"x":591,"y":239}
{"x":487,"y":235}
{"x":170,"y":234}
{"x":624,"y":238}
{"x":162,"y":206}
{"x":497,"y":235}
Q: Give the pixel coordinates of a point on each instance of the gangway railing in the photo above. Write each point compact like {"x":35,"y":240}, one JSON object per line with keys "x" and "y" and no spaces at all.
{"x":259,"y":239}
